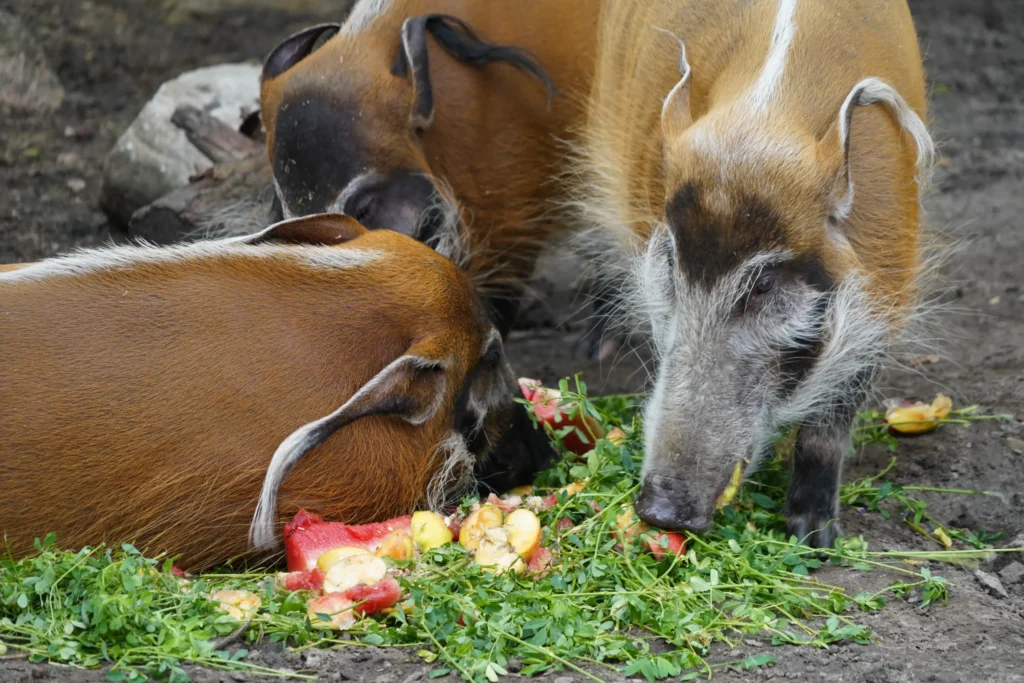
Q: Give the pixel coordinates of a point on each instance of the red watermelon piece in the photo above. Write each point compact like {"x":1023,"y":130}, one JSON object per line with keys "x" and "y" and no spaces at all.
{"x":546,"y":407}
{"x":308,"y":536}
{"x":307,"y":580}
{"x":375,"y":598}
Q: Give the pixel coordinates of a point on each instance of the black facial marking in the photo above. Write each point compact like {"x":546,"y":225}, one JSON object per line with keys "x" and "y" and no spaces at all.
{"x":523,"y":451}
{"x":318,"y":150}
{"x":709,"y":246}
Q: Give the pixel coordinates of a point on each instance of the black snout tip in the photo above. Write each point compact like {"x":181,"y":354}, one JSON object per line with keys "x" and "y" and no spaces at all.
{"x":664,"y":503}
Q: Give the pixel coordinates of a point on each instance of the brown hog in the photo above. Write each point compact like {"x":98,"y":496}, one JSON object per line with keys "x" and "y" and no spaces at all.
{"x":435,"y":118}
{"x":150,"y":394}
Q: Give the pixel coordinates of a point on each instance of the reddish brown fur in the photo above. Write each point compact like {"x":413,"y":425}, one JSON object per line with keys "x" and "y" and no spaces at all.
{"x":493,"y":137}
{"x":143,"y":403}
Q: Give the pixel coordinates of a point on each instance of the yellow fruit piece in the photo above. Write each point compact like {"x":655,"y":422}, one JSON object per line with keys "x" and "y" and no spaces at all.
{"x":495,"y":554}
{"x":236,"y":604}
{"x":354,"y":570}
{"x":397,"y":545}
{"x":616,"y":436}
{"x":521,"y":491}
{"x":429,"y":530}
{"x":335,"y":555}
{"x":487,"y":517}
{"x":943,"y":537}
{"x":920,"y":417}
{"x":731,"y":488}
{"x":625,"y":519}
{"x":524,"y":533}
{"x":573,"y":488}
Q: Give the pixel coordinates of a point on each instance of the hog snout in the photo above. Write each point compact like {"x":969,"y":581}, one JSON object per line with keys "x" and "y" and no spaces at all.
{"x":667,"y":502}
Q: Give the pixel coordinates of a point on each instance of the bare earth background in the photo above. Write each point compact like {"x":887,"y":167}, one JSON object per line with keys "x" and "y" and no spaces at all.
{"x":111,"y":55}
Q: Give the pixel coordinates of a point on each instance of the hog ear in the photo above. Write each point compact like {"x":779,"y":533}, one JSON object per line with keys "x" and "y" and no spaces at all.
{"x":323,"y":229}
{"x":294,"y":49}
{"x":675,"y":111}
{"x":835,"y":146}
{"x":414,"y":58}
{"x":411,"y":388}
{"x":459,"y":40}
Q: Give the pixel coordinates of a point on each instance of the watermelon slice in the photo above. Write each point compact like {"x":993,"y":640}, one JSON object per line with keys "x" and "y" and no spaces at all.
{"x":308,"y":536}
{"x":546,"y":407}
{"x":375,"y":598}
{"x":341,"y":608}
{"x":306,"y":580}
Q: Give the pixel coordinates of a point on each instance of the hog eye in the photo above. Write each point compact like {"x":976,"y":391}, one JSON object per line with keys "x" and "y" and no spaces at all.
{"x":765,"y":283}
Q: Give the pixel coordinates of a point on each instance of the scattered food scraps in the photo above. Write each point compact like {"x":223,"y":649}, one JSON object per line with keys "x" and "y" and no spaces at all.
{"x":918,"y":418}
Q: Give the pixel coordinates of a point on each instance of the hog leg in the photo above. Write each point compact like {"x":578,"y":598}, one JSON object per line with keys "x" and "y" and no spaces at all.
{"x":812,"y":504}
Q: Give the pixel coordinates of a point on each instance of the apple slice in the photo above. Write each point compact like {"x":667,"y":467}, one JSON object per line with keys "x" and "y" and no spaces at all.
{"x":732,"y":487}
{"x":524,"y":534}
{"x":495,"y":554}
{"x":354,"y":570}
{"x":676,"y":544}
{"x":236,"y":604}
{"x":397,"y":545}
{"x":546,"y":407}
{"x":429,"y":530}
{"x":336,"y":555}
{"x":616,"y":436}
{"x":486,"y":517}
{"x":540,"y":561}
{"x":918,"y":418}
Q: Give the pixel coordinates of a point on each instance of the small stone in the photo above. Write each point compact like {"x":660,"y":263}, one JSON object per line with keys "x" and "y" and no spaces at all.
{"x":76,"y":185}
{"x":564,"y":679}
{"x":1016,"y":445}
{"x":313,"y":659}
{"x":1017,"y":542}
{"x":1012,"y":573}
{"x":69,"y":159}
{"x":991,"y":584}
{"x":27,"y":84}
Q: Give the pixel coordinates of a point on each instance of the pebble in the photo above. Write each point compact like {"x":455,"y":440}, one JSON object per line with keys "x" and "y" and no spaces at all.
{"x":991,"y":584}
{"x":76,"y":185}
{"x":68,"y":159}
{"x":1012,"y":573}
{"x":1016,"y":445}
{"x":314,"y":659}
{"x":563,"y":679}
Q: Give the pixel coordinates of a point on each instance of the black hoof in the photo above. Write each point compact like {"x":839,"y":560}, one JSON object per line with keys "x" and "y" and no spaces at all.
{"x":814,"y":530}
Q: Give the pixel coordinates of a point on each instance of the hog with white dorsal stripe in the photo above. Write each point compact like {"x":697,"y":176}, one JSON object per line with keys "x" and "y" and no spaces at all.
{"x":762,"y":163}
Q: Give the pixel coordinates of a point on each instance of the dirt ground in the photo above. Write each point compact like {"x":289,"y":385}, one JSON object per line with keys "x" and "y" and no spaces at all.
{"x":111,"y":55}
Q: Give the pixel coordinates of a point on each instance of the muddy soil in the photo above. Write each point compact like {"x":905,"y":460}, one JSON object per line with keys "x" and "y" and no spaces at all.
{"x":112,"y":54}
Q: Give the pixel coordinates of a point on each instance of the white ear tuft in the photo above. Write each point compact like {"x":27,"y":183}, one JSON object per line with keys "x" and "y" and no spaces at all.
{"x":871,"y":91}
{"x":675,"y":110}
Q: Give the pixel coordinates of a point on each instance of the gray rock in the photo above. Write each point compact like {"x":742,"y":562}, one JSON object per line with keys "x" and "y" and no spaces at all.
{"x":27,"y":84}
{"x":153,"y":157}
{"x":1016,"y":445}
{"x":991,"y":584}
{"x":1012,"y":573}
{"x":1018,"y":542}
